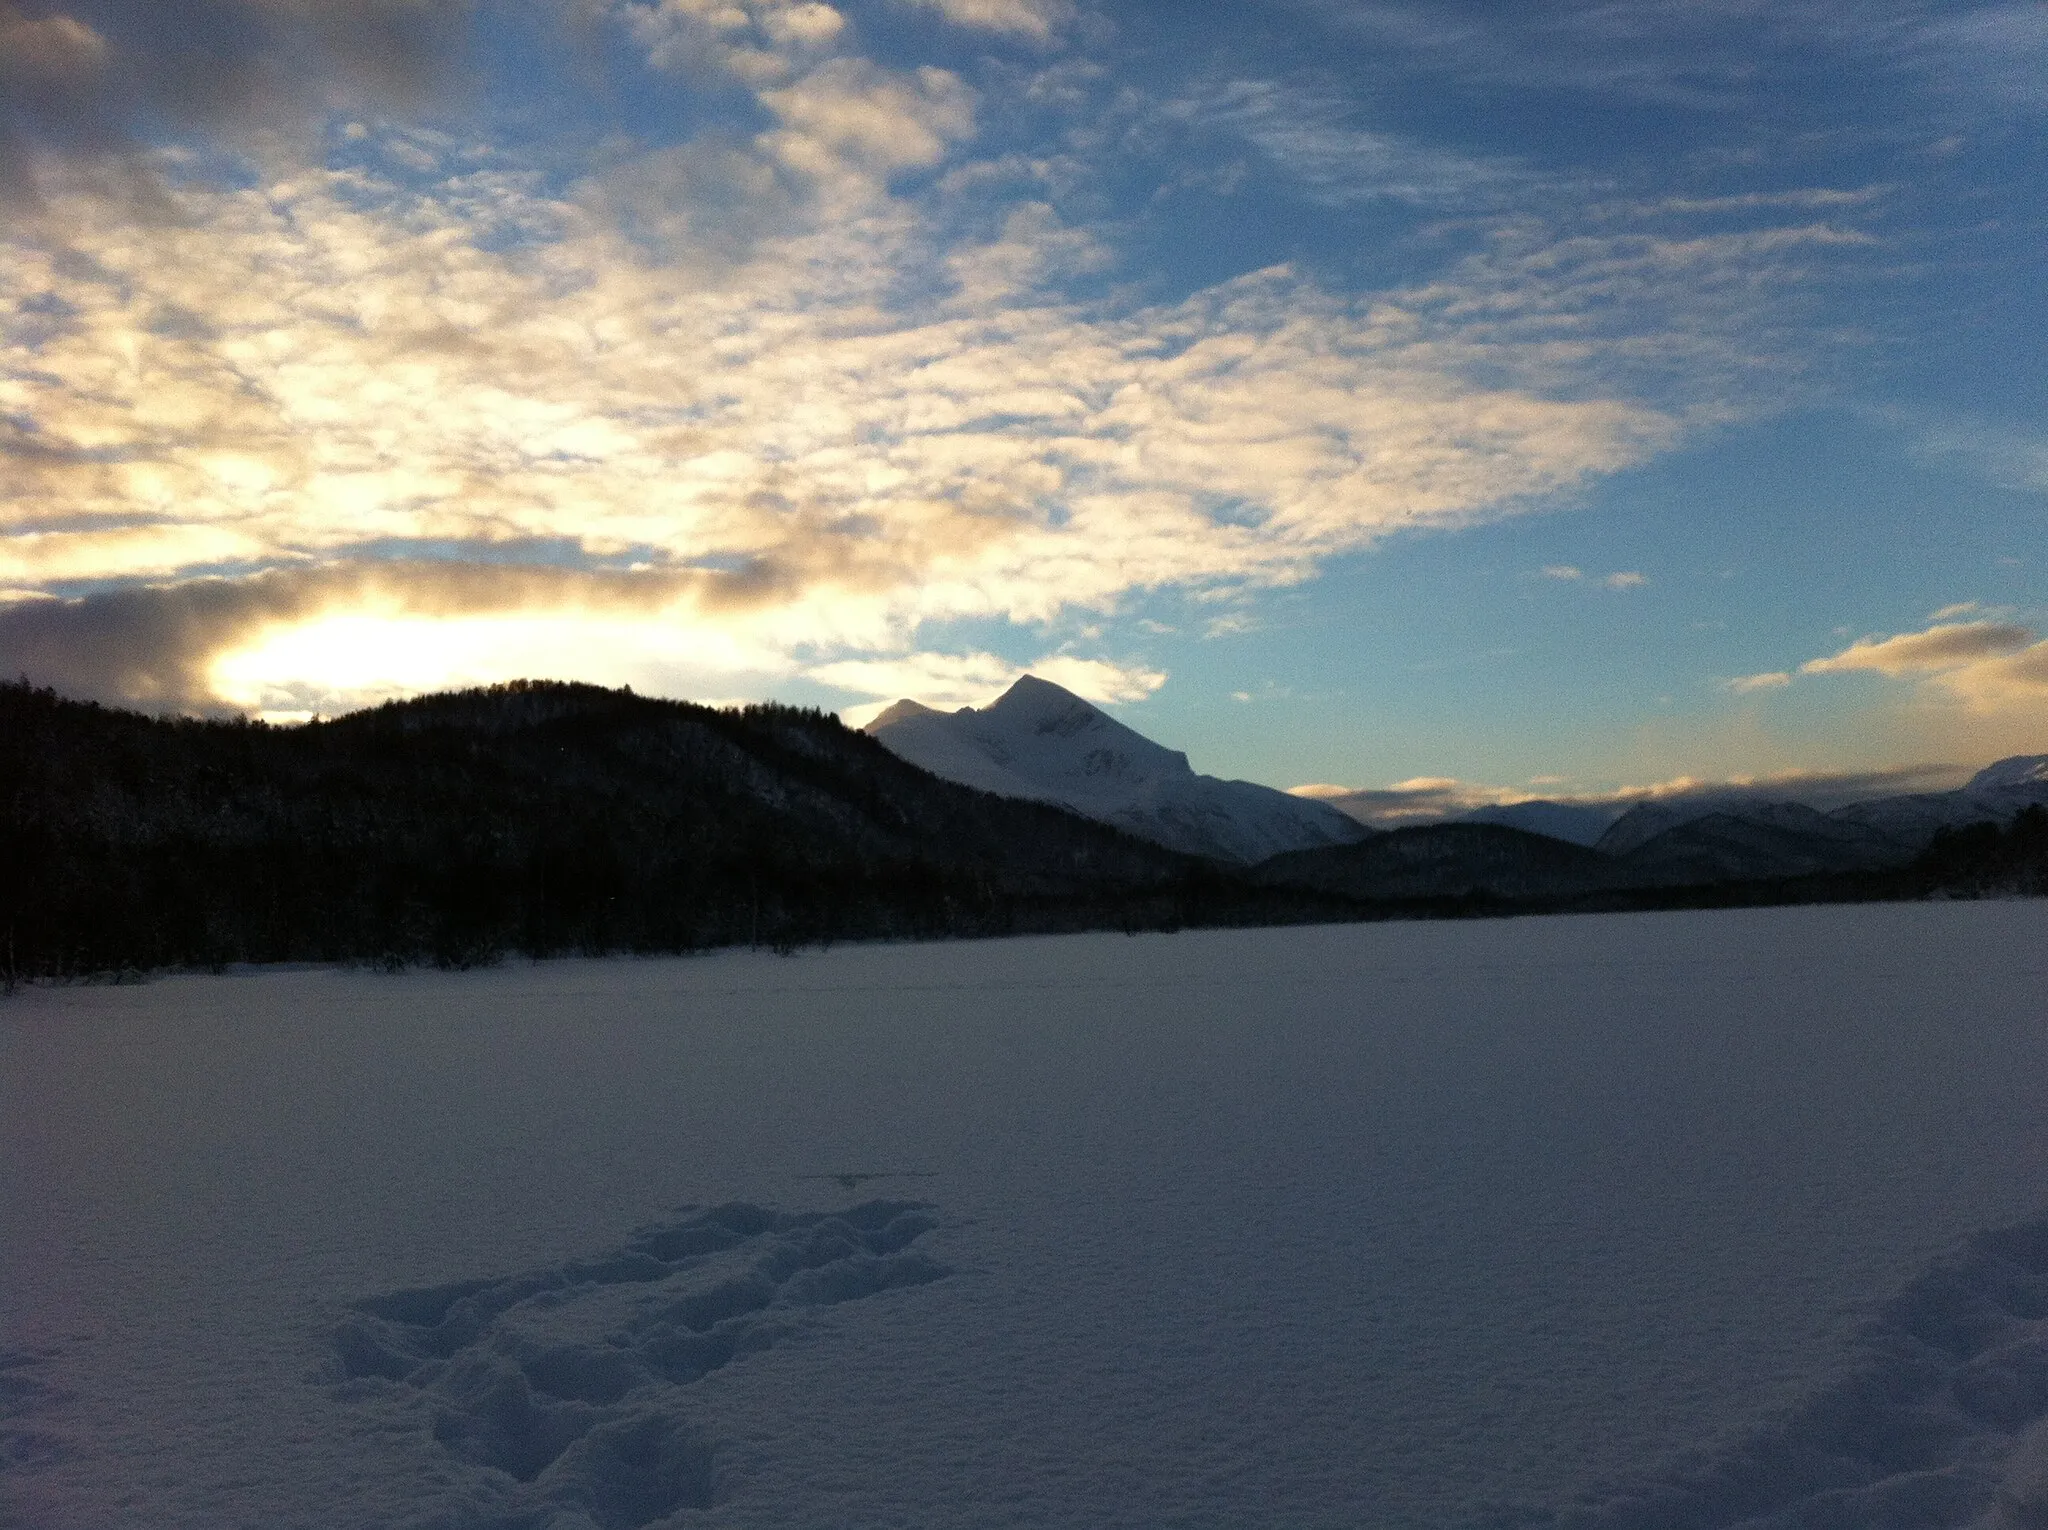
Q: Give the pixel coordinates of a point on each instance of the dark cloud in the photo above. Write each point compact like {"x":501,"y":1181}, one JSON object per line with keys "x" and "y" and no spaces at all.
{"x":154,"y":645}
{"x":93,"y":81}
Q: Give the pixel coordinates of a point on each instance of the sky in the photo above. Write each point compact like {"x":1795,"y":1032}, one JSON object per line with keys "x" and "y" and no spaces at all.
{"x":1522,"y":399}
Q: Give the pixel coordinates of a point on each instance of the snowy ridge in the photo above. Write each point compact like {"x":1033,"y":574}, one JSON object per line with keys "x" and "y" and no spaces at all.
{"x":1043,"y":743}
{"x":563,"y":1392}
{"x":1870,"y":833}
{"x":1577,"y":823}
{"x":1995,"y":794}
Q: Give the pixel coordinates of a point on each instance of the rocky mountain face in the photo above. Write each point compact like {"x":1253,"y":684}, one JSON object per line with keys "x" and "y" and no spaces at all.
{"x":1040,"y":742}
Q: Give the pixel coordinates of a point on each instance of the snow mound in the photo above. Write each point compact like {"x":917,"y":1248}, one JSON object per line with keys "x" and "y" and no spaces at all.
{"x":1041,"y":742}
{"x":1942,"y":1425}
{"x":564,"y":1390}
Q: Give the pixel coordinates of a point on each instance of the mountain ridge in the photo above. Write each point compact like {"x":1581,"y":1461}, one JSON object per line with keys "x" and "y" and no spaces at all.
{"x":542,"y":818}
{"x":1041,"y":742}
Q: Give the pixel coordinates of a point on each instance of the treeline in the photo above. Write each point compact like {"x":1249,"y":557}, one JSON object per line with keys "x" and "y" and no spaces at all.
{"x":545,"y":819}
{"x":534,"y":818}
{"x":1984,"y":860}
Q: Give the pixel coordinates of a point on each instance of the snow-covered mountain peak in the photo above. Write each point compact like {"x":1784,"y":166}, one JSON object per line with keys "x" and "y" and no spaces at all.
{"x":902,"y":711}
{"x":1042,"y":707}
{"x":1041,"y":741}
{"x":1060,"y":733}
{"x":2019,"y":770}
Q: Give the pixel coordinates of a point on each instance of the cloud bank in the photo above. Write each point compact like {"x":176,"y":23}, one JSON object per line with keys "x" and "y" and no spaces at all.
{"x":1432,"y":799}
{"x":779,"y":399}
{"x":1986,"y":676}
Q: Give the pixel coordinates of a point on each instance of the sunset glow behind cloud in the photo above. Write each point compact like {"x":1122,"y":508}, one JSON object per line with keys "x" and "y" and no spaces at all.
{"x":826,"y":352}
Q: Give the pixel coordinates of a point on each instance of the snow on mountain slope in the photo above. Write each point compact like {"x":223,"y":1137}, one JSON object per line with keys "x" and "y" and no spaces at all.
{"x":2023,"y":772}
{"x":1995,"y":794}
{"x":1885,"y":829}
{"x":1646,"y":820}
{"x":1577,"y":823}
{"x":1042,"y":742}
{"x":1778,"y":840}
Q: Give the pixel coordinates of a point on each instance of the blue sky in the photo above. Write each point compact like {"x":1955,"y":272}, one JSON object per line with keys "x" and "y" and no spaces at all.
{"x":1539,"y":398}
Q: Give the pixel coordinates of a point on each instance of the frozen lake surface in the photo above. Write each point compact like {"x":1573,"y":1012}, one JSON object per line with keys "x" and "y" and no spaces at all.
{"x":1623,"y":1221}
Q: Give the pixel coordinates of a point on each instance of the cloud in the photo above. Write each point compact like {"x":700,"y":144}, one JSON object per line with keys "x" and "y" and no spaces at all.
{"x":2016,"y":678}
{"x":1999,"y":52}
{"x":1961,"y":608}
{"x":847,"y":112}
{"x":1703,"y":55}
{"x":1808,"y":198}
{"x":1424,"y":799}
{"x":805,"y":384}
{"x":1308,"y":136}
{"x":2008,"y":456}
{"x":473,"y":364}
{"x":1038,"y":20}
{"x":97,"y":91}
{"x":1570,"y":573}
{"x":1231,"y":624}
{"x":1997,"y":670}
{"x":1744,"y":685}
{"x":1940,"y":647}
{"x":330,"y":637}
{"x":1721,"y":56}
{"x":759,"y":42}
{"x":1433,"y":799}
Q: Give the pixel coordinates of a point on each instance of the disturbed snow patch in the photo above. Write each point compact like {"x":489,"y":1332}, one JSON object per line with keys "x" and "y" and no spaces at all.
{"x":564,"y":1389}
{"x":1942,"y":1426}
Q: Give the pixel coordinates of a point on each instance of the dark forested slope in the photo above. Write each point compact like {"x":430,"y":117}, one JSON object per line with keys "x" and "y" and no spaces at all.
{"x":551,"y":819}
{"x":535,"y":817}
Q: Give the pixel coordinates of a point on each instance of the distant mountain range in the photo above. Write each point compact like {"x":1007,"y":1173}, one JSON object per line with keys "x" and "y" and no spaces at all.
{"x":1696,"y":843}
{"x":1897,"y":824}
{"x":544,"y":819}
{"x":1043,"y":743}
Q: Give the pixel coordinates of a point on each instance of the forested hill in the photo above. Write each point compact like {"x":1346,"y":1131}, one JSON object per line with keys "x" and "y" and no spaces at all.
{"x":535,"y":817}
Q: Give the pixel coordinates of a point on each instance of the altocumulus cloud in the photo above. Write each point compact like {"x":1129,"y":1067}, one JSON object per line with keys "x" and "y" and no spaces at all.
{"x":1942,"y":647}
{"x":1988,"y":665}
{"x":313,"y":432}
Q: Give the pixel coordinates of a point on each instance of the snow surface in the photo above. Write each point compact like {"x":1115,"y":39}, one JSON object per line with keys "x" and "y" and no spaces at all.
{"x":1041,"y":742}
{"x":1516,"y":1223}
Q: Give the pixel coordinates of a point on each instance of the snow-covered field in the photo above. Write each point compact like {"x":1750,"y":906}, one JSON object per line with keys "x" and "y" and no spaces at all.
{"x":1444,"y":1225}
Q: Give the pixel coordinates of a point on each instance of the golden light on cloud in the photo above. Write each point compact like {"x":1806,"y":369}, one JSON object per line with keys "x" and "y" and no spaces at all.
{"x":1984,"y":681}
{"x":393,"y":383}
{"x":352,"y":375}
{"x":1946,"y":645}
